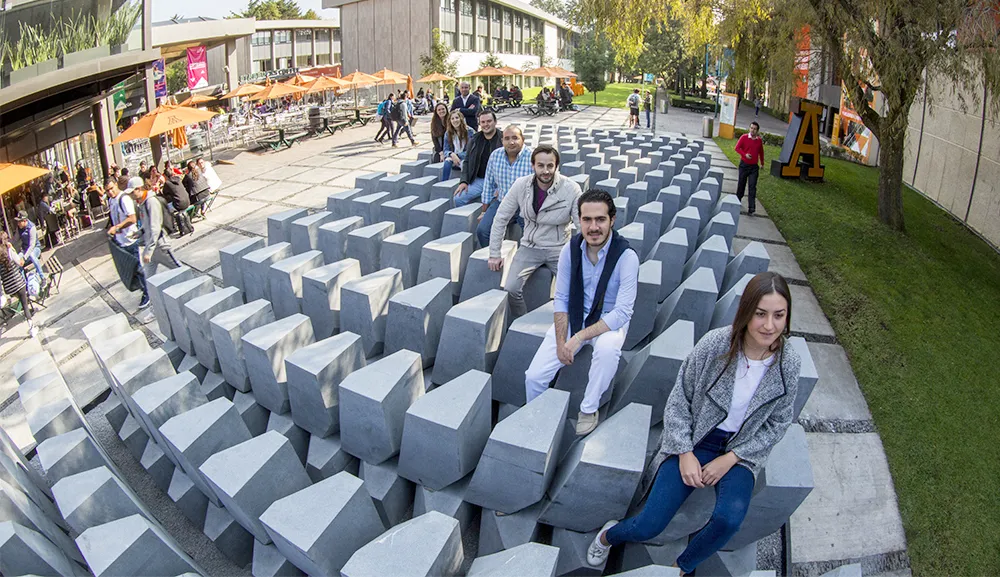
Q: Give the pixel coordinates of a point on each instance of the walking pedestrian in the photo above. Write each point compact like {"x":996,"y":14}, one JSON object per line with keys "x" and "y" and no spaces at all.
{"x":123,"y":229}
{"x":31,"y":245}
{"x":733,"y":401}
{"x":402,"y":113}
{"x":756,"y":107}
{"x":49,"y":220}
{"x":384,"y":109}
{"x":750,"y":147}
{"x":12,"y":275}
{"x":153,"y":232}
{"x":591,"y":307}
{"x":477,"y":157}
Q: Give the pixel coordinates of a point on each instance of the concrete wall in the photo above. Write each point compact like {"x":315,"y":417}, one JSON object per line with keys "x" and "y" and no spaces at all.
{"x":392,"y":34}
{"x":944,"y":145}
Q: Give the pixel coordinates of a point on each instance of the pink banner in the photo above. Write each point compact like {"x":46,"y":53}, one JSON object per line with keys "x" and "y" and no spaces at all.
{"x":197,"y":67}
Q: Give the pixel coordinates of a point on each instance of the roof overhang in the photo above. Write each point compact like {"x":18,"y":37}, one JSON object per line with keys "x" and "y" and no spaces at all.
{"x":173,"y":40}
{"x":296,"y":24}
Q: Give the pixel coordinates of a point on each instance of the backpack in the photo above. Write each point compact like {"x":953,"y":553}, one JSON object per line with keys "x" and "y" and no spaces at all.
{"x":169,"y":224}
{"x":380,"y":111}
{"x":396,"y":113}
{"x":633,"y":100}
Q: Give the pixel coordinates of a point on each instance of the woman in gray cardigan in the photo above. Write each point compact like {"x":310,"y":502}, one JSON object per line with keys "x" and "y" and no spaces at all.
{"x":733,"y":401}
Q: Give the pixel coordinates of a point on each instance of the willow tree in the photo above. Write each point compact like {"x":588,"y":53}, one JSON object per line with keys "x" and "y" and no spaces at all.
{"x":888,"y":47}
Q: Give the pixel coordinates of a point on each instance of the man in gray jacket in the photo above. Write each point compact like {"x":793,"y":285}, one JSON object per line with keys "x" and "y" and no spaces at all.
{"x":155,"y":241}
{"x":547,"y":202}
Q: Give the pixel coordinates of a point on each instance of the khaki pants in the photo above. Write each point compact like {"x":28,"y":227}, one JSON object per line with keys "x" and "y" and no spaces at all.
{"x":526,"y":260}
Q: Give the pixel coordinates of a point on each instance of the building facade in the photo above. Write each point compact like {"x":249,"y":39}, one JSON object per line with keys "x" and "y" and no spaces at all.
{"x":285,"y":44}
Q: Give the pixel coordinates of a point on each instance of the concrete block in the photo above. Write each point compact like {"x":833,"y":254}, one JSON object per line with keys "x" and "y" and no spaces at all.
{"x":133,"y":546}
{"x":671,"y":251}
{"x":649,"y":560}
{"x":231,"y":260}
{"x":339,"y":204}
{"x":471,"y":336}
{"x":365,"y":245}
{"x":133,"y":436}
{"x":528,"y":559}
{"x":333,"y":237}
{"x":572,"y":168}
{"x":426,"y":187}
{"x":621,"y":212}
{"x":391,"y":494}
{"x":435,"y":170}
{"x":55,"y":418}
{"x":93,"y":498}
{"x":158,"y":465}
{"x":637,"y":194}
{"x":304,"y":234}
{"x":327,"y":457}
{"x":367,"y":206}
{"x":36,"y":365}
{"x":725,"y":308}
{"x":597,"y":479}
{"x":650,"y":215}
{"x":519,"y":460}
{"x":428,"y":545}
{"x":174,"y":352}
{"x":67,"y":454}
{"x":247,"y":478}
{"x":685,"y":183}
{"x":752,"y":260}
{"x":449,"y":500}
{"x":257,"y":268}
{"x":739,"y":563}
{"x":265,"y":349}
{"x":713,"y":254}
{"x":722,"y":225}
{"x":269,"y":562}
{"x":369,"y":182}
{"x":446,"y":430}
{"x":730,"y":205}
{"x":415,"y":319}
{"x":499,"y":532}
{"x":402,"y":251}
{"x":809,"y":375}
{"x":18,"y":508}
{"x":618,"y":163}
{"x":608,"y":185}
{"x":365,"y":305}
{"x":594,"y":160}
{"x":479,"y":277}
{"x":393,"y":184}
{"x":688,"y":219}
{"x":852,"y":570}
{"x":652,"y":372}
{"x":254,"y":415}
{"x":702,"y":200}
{"x":643,"y":166}
{"x":42,"y":390}
{"x":654,"y":180}
{"x":156,"y":284}
{"x":628,"y":176}
{"x":582,"y":180}
{"x":447,"y":258}
{"x":669,"y":168}
{"x":188,"y":498}
{"x":285,"y":277}
{"x":174,"y":299}
{"x":414,"y":169}
{"x":461,"y":219}
{"x":694,"y":300}
{"x":314,"y":373}
{"x":199,"y":312}
{"x":115,"y":412}
{"x":647,"y":293}
{"x":373,"y":404}
{"x":670,"y":197}
{"x":321,"y":294}
{"x":229,"y":537}
{"x":228,"y":328}
{"x":573,"y":553}
{"x":298,"y":437}
{"x":279,"y":226}
{"x":429,"y":214}
{"x":634,"y":233}
{"x":24,"y":551}
{"x":397,"y":211}
{"x":190,"y":364}
{"x":523,"y":338}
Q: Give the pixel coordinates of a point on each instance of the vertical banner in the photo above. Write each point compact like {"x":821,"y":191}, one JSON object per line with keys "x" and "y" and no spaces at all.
{"x":727,"y":115}
{"x":197,"y":69}
{"x":159,"y":78}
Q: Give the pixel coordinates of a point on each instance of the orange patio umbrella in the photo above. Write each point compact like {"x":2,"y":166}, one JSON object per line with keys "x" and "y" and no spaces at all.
{"x":387,"y":77}
{"x":277,"y":90}
{"x":196,"y":99}
{"x":245,"y":90}
{"x":543,"y":72}
{"x":563,"y":73}
{"x":14,"y":175}
{"x":356,"y":80}
{"x":488,"y":71}
{"x":164,"y":119}
{"x":324,"y":83}
{"x":437,"y":77}
{"x":300,"y":80}
{"x":409,"y":85}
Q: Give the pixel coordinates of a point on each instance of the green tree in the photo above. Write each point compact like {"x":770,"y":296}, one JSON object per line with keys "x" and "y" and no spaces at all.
{"x":491,"y":60}
{"x":593,"y":60}
{"x":177,"y":79}
{"x":886,"y":49}
{"x":555,"y":7}
{"x":275,"y":10}
{"x":438,"y":59}
{"x":536,"y":45}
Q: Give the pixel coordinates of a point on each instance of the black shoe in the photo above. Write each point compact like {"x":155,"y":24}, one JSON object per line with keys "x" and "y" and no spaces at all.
{"x":751,"y":212}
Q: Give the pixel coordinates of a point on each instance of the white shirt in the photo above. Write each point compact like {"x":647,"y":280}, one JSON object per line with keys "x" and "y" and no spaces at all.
{"x":121,"y":207}
{"x":213,"y":180}
{"x":747,"y":381}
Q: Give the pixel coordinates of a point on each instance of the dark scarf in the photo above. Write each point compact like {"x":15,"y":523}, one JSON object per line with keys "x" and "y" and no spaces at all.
{"x":618,"y":246}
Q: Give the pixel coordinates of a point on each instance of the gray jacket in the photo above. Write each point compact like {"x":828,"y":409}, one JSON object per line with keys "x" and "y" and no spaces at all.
{"x":551,"y":226}
{"x":700,"y":400}
{"x":151,"y":225}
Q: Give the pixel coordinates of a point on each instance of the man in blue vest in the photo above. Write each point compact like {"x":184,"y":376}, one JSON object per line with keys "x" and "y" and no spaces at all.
{"x":595,"y":292}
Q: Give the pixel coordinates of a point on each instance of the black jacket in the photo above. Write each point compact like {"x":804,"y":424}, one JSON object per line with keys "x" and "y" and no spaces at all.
{"x":470,"y":110}
{"x":470,"y":168}
{"x":175,"y":192}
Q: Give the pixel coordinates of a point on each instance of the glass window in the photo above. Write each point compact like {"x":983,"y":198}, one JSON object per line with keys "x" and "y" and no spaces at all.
{"x":482,"y":44}
{"x":323,"y":35}
{"x":508,"y":46}
{"x":507,"y":17}
{"x":482,"y":10}
{"x":496,"y":14}
{"x":303,"y":60}
{"x":466,"y":42}
{"x":448,"y":38}
{"x":303,"y":35}
{"x":496,"y":45}
{"x":517,"y":21}
{"x":518,"y":47}
{"x":466,"y":7}
{"x":282,"y":37}
{"x":261,"y":39}
{"x":447,"y":5}
{"x":324,"y":59}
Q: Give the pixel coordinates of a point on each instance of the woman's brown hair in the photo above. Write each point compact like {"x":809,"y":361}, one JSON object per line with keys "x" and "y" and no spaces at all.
{"x":437,"y":125}
{"x":462,"y":132}
{"x":4,"y":255}
{"x":759,"y":286}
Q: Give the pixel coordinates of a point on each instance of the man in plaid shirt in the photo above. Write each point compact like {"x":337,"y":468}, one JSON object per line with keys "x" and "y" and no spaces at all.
{"x":506,"y":165}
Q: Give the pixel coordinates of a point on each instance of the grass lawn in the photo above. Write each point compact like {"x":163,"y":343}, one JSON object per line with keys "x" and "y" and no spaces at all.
{"x":919,"y":316}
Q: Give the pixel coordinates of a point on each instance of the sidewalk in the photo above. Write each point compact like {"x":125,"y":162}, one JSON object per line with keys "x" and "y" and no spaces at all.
{"x":688,"y":123}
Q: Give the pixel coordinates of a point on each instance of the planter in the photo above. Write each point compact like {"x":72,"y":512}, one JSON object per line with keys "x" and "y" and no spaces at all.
{"x":50,"y":65}
{"x":22,"y":74}
{"x":120,"y":48}
{"x":4,"y":79}
{"x":74,"y":58}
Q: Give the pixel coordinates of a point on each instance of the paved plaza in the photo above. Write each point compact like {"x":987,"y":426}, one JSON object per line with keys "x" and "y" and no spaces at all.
{"x":850,"y":514}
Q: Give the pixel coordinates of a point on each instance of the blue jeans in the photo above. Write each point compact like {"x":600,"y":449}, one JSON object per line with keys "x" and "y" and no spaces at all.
{"x":33,"y":255}
{"x":448,"y":167}
{"x":486,"y":224}
{"x":472,"y":194}
{"x":403,"y":126}
{"x":732,"y":498}
{"x":134,"y":249}
{"x":647,"y":117}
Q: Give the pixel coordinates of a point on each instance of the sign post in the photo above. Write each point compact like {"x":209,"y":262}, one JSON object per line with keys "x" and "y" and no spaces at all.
{"x":727,"y":115}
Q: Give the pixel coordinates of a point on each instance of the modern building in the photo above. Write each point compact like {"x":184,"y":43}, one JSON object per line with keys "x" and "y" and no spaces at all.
{"x":284,"y":44}
{"x":394,"y":34}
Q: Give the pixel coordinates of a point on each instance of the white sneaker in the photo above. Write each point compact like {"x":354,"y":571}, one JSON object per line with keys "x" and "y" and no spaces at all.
{"x":597,"y":553}
{"x":33,"y":331}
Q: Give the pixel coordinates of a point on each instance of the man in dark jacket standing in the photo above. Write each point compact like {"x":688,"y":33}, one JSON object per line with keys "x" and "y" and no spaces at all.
{"x":176,"y":195}
{"x":470,"y":104}
{"x":477,"y":156}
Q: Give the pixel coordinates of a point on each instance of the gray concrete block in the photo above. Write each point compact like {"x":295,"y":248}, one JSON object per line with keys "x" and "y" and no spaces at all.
{"x":519,"y":460}
{"x":367,"y":206}
{"x":279,"y":226}
{"x":231,"y":260}
{"x":55,"y":418}
{"x":298,"y":437}
{"x":397,"y":211}
{"x":722,"y":225}
{"x":115,"y":412}
{"x":426,"y":187}
{"x":598,"y":477}
{"x":174,"y":352}
{"x":499,"y":532}
{"x":688,"y":219}
{"x":642,"y":167}
{"x":327,"y":457}
{"x":731,"y":205}
{"x":532,"y":559}
{"x":254,"y":415}
{"x":94,"y":497}
{"x":713,"y":254}
{"x":257,"y":268}
{"x":133,"y":546}
{"x":415,"y":319}
{"x":402,"y":251}
{"x":414,"y":169}
{"x":471,"y":336}
{"x":429,"y":214}
{"x":648,"y":560}
{"x":582,"y":180}
{"x":686,"y":184}
{"x":447,"y":258}
{"x":712,"y":185}
{"x":365,"y":245}
{"x":391,"y":494}
{"x":174,"y":299}
{"x":235,"y":542}
{"x":621,"y":212}
{"x":573,"y":553}
{"x":305,"y":231}
{"x":369,"y":182}
{"x":702,"y":200}
{"x":694,"y":300}
{"x":608,"y":185}
{"x":157,"y":465}
{"x":269,"y":562}
{"x":634,"y":233}
{"x":479,"y":277}
{"x":725,"y":308}
{"x":572,"y":167}
{"x":188,"y":498}
{"x":265,"y":349}
{"x":247,"y":478}
{"x":670,"y":198}
{"x":321,"y":294}
{"x":669,"y":168}
{"x":650,"y":215}
{"x":333,"y":237}
{"x":156,"y":284}
{"x":618,"y":163}
{"x":435,"y":170}
{"x":461,"y":219}
{"x":133,"y":436}
{"x":594,"y":160}
{"x":808,"y":374}
{"x":17,"y":507}
{"x":739,"y":563}
{"x":523,"y":338}
{"x":201,"y":432}
{"x":365,"y":306}
{"x":132,"y":371}
{"x":752,"y":260}
{"x":628,"y":176}
{"x":320,"y":540}
{"x":852,"y":570}
{"x":429,"y":545}
{"x":68,"y":454}
{"x":35,"y":366}
{"x":652,"y":372}
{"x":314,"y":373}
{"x":339,"y":204}
{"x":449,"y":501}
{"x":228,"y":328}
{"x":285,"y":277}
{"x":647,"y":293}
{"x":24,"y":551}
{"x":638,"y":194}
{"x":446,"y":430}
{"x":42,"y":390}
{"x":373,"y":404}
{"x":199,"y":312}
{"x":671,"y":251}
{"x":393,"y":184}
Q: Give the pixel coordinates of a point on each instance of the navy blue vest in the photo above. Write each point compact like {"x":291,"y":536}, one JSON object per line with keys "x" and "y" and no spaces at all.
{"x":576,"y":321}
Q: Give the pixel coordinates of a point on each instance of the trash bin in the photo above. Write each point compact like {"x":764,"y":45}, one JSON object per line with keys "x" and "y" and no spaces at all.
{"x":665,"y":105}
{"x":707,"y":127}
{"x":196,"y":142}
{"x":315,"y":118}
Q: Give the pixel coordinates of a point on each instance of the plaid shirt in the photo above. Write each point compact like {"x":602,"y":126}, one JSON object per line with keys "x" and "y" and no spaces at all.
{"x":501,"y":174}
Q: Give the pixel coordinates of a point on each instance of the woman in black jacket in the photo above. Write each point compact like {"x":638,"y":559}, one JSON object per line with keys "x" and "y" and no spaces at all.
{"x":196,"y":185}
{"x":175,"y":193}
{"x":438,"y":129}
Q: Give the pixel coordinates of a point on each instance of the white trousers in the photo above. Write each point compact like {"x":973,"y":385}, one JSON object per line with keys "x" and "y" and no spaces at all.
{"x":604,"y":364}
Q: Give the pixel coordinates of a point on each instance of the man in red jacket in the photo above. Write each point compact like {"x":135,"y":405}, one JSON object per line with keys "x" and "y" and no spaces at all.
{"x":751,"y":150}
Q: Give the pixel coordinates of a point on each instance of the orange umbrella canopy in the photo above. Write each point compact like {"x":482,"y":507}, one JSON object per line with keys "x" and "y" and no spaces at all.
{"x":245,"y":90}
{"x":164,"y":119}
{"x":545,"y":72}
{"x":409,"y":85}
{"x":278,"y":90}
{"x":387,"y":77}
{"x":488,"y":71}
{"x":14,"y":175}
{"x":356,"y":79}
{"x":437,"y":77}
{"x":563,"y":73}
{"x":196,"y":99}
{"x":508,"y":71}
{"x":324,"y":83}
{"x":300,"y":80}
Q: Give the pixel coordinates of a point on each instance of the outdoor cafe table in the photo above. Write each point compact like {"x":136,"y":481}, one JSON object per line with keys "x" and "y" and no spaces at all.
{"x":357,"y":111}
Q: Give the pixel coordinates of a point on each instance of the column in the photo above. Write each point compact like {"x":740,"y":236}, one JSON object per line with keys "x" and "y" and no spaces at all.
{"x":295,"y":48}
{"x":154,"y":143}
{"x":232,"y":64}
{"x":99,"y":120}
{"x":274,"y":64}
{"x":315,"y":58}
